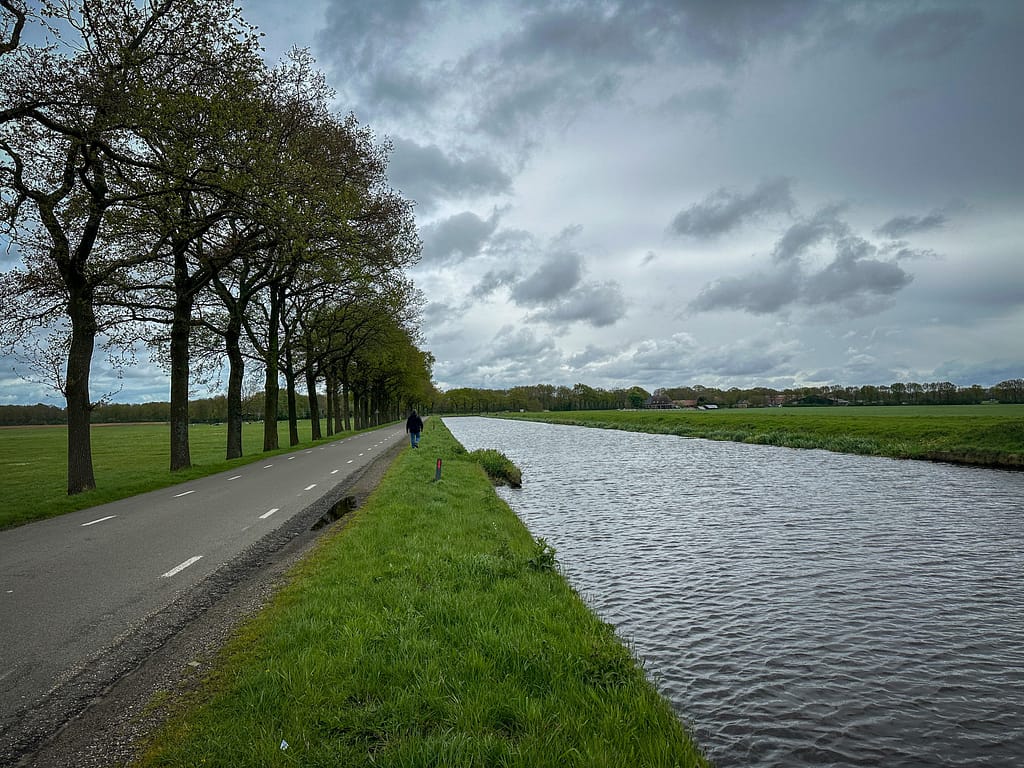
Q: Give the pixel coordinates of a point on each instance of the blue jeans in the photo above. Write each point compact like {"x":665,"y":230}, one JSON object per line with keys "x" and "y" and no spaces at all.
{"x":414,"y":438}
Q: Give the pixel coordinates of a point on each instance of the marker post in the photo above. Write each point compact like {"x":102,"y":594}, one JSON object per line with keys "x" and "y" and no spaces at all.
{"x":437,"y":473}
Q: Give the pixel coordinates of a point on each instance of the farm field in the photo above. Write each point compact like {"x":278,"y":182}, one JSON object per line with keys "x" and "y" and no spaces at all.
{"x":990,"y":435}
{"x":128,"y":459}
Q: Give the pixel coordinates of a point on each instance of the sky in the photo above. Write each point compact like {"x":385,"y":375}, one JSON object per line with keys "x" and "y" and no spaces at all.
{"x":675,"y":192}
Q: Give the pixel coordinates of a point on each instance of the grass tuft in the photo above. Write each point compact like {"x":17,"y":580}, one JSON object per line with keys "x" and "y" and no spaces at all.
{"x":499,"y":467}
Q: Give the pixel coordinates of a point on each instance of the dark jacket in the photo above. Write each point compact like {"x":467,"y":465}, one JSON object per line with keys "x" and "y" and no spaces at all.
{"x":414,"y":424}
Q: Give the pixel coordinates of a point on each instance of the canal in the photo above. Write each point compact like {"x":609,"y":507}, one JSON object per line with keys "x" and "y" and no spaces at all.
{"x":798,"y":608}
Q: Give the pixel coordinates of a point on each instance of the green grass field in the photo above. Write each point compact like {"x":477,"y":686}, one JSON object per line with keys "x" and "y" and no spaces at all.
{"x":128,"y":459}
{"x":432,"y":630}
{"x":991,"y":435}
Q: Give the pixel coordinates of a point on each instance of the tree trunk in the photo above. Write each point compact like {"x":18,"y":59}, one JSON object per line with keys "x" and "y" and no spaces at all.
{"x":76,"y":390}
{"x":330,"y":404}
{"x":271,"y":388}
{"x":236,"y":374}
{"x":344,"y":400}
{"x":293,"y":416}
{"x":180,"y":326}
{"x":314,"y":403}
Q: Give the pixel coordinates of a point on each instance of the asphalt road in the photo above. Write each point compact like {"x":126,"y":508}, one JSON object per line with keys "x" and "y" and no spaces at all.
{"x":73,"y":586}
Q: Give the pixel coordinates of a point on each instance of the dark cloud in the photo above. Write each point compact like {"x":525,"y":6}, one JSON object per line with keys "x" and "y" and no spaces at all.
{"x":520,"y":344}
{"x":437,"y":313}
{"x":559,"y":274}
{"x":456,"y":238}
{"x":854,"y":281}
{"x":728,"y":33}
{"x":556,"y":292}
{"x":598,"y":304}
{"x":397,"y":91}
{"x":714,"y":101}
{"x":554,"y":33}
{"x":760,"y":293}
{"x":803,"y":235}
{"x":901,"y":226}
{"x":589,"y":356}
{"x":854,"y":273}
{"x":427,"y":174}
{"x":725,"y":210}
{"x":541,"y":60}
{"x":898,"y":250}
{"x":751,"y":357}
{"x":492,"y":281}
{"x":926,"y":34}
{"x":362,"y":36}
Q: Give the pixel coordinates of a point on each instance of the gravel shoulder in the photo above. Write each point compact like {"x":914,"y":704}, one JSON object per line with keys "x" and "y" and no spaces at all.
{"x":101,"y":715}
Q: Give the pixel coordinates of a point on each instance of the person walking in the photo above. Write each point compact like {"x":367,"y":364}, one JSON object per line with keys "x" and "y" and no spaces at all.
{"x":414,"y":426}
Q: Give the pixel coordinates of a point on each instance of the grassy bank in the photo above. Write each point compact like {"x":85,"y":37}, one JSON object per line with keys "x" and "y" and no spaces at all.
{"x":128,"y":459}
{"x":989,"y":435}
{"x":430,"y":631}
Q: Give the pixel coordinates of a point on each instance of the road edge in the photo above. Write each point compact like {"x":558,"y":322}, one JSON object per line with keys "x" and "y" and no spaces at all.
{"x":98,"y":715}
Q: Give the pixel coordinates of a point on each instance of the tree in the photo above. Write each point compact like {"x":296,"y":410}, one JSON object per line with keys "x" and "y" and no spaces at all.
{"x":14,"y":17}
{"x":73,"y":138}
{"x":1009,"y":391}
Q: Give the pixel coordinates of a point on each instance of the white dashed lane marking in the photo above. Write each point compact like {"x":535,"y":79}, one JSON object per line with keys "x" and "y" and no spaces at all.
{"x":179,"y":568}
{"x":268,"y":513}
{"x":179,"y":495}
{"x":235,"y":477}
{"x":309,"y":487}
{"x":101,"y":520}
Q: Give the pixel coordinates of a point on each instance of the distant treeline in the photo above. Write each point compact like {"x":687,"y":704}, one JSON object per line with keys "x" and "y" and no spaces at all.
{"x":212,"y":410}
{"x":545,"y":397}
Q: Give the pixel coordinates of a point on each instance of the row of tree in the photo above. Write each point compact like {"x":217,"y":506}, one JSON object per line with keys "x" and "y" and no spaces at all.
{"x":898,"y":393}
{"x":545,"y":397}
{"x":165,"y":188}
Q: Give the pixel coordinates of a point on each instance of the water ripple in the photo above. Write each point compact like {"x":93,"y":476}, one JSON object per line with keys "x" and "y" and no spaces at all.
{"x":798,"y":608}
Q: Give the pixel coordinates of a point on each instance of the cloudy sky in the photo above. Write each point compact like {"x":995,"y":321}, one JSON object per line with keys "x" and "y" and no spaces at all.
{"x":723,"y":192}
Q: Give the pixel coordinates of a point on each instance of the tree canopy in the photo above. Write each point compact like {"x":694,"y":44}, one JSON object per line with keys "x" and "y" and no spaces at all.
{"x":165,"y":188}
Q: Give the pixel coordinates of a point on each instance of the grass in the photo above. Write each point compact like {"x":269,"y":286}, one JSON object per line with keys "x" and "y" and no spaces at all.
{"x":499,"y":467}
{"x":432,"y":630}
{"x":128,"y":459}
{"x":990,"y":435}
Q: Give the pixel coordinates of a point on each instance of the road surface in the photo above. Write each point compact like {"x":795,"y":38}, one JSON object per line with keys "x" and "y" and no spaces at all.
{"x":75,"y":587}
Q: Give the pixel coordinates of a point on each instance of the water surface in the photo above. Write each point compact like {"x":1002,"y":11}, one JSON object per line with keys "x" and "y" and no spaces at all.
{"x":798,"y":608}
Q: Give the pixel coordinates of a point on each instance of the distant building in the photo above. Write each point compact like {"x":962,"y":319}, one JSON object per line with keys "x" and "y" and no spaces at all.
{"x":659,"y":402}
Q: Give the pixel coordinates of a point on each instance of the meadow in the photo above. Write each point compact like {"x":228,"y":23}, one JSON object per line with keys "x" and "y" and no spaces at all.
{"x":430,"y":630}
{"x":128,"y":459}
{"x":989,"y":435}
